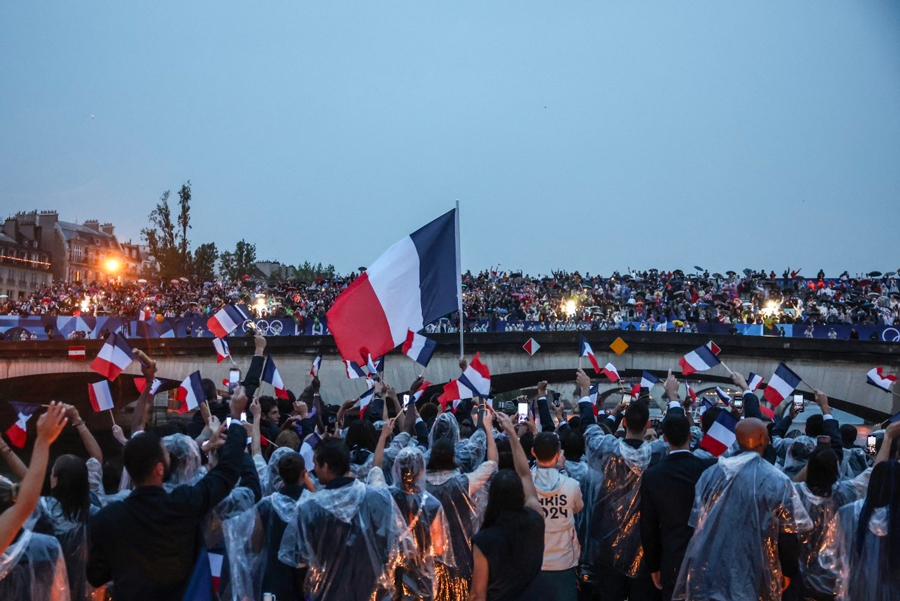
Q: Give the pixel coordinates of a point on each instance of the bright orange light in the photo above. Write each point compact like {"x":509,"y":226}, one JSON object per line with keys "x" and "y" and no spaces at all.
{"x":112,"y":266}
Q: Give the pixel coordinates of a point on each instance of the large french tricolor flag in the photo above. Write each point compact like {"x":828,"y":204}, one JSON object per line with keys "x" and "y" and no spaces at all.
{"x":587,"y":351}
{"x":721,"y":435}
{"x":782,"y":384}
{"x":101,"y":397}
{"x":877,"y":378}
{"x":270,"y":374}
{"x":411,"y":285}
{"x":225,"y":321}
{"x":699,"y":359}
{"x":113,"y":358}
{"x":419,"y":348}
{"x":191,"y":392}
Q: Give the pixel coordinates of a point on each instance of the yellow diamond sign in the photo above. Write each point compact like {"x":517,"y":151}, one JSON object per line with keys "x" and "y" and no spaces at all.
{"x":619,"y":346}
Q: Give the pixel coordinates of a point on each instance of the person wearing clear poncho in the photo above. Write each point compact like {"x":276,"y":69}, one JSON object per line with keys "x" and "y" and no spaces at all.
{"x":416,"y":576}
{"x":33,"y":567}
{"x":463,"y":497}
{"x":350,"y":536}
{"x":468,"y":452}
{"x":746,"y":517}
{"x":867,"y":540}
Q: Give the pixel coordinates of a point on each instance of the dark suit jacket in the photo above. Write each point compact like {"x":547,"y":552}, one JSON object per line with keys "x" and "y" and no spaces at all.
{"x":667,"y":496}
{"x":148,"y":542}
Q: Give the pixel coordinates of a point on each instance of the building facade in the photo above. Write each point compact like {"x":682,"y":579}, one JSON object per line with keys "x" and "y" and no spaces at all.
{"x":25,"y":265}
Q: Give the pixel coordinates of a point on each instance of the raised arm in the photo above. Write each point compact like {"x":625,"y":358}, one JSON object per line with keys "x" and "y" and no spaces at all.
{"x":386,"y":429}
{"x":256,"y":412}
{"x":884,"y":453}
{"x":544,"y":408}
{"x":520,"y":462}
{"x":90,"y":443}
{"x":49,"y":426}
{"x":142,"y":407}
{"x":488,"y":419}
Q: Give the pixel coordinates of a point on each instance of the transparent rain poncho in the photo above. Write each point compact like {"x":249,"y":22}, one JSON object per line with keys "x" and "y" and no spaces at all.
{"x":591,"y":483}
{"x":469,"y":453}
{"x":184,"y":457}
{"x":819,"y":564}
{"x":351,"y":539}
{"x":254,"y":538}
{"x":741,"y":505}
{"x":853,"y":463}
{"x":865,"y":574}
{"x":797,"y":455}
{"x":269,"y":478}
{"x":32,"y":569}
{"x":464,"y":499}
{"x":615,"y":533}
{"x":73,"y":539}
{"x":424,"y":516}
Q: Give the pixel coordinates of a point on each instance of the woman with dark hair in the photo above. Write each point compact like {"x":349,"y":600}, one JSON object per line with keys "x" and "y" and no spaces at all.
{"x":361,"y":439}
{"x":462,"y":495}
{"x":868,"y":540}
{"x":509,"y":548}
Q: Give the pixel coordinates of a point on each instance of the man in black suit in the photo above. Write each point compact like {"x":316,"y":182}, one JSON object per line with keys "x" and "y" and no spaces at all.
{"x":667,"y":496}
{"x":148,"y":543}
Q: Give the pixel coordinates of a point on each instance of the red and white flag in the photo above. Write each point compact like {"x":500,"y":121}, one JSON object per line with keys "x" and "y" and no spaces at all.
{"x":587,"y":351}
{"x":113,"y":358}
{"x":222,"y":350}
{"x":417,"y":394}
{"x":140,"y":383}
{"x":611,"y":372}
{"x":77,"y":353}
{"x":18,"y":431}
{"x":215,"y":569}
{"x":101,"y":397}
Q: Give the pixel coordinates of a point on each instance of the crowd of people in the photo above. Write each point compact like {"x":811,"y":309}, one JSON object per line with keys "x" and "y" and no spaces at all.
{"x":560,"y":301}
{"x":401,"y":499}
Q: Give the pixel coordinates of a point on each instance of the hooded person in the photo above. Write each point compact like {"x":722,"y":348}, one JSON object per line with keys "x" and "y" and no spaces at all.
{"x":468,"y":452}
{"x":424,"y":516}
{"x":463,"y":495}
{"x":33,"y":566}
{"x":350,"y":536}
{"x":823,"y":492}
{"x":65,"y":514}
{"x":746,"y":516}
{"x":254,"y":538}
{"x":798,"y":453}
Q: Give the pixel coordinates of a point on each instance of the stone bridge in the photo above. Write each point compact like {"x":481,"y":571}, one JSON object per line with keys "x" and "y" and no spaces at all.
{"x":41,"y":370}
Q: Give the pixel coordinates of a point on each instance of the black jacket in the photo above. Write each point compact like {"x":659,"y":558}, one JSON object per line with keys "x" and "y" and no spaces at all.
{"x":148,"y":542}
{"x":667,"y":496}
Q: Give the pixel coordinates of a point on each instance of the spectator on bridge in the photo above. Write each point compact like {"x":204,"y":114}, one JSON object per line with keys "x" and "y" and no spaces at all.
{"x":33,"y":564}
{"x":746,"y":518}
{"x":147,"y":544}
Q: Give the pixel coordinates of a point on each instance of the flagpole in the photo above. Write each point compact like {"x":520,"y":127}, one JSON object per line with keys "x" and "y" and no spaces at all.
{"x":459,"y":296}
{"x":111,"y":417}
{"x":728,"y":369}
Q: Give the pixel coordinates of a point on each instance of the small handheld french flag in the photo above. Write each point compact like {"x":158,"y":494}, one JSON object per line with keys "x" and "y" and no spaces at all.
{"x":270,"y":374}
{"x":113,"y":358}
{"x":587,"y":351}
{"x":721,"y":435}
{"x":877,"y":378}
{"x":101,"y":397}
{"x":782,"y":384}
{"x":691,"y":394}
{"x":140,"y":383}
{"x":191,"y":392}
{"x":364,"y":400}
{"x":699,"y":359}
{"x":754,"y":382}
{"x":354,"y":370}
{"x":17,"y":432}
{"x":417,"y":394}
{"x":648,"y":380}
{"x":225,"y":321}
{"x":477,"y":378}
{"x":723,"y":396}
{"x":419,"y":348}
{"x":222,"y":350}
{"x":611,"y":372}
{"x":316,"y":364}
{"x":375,"y":366}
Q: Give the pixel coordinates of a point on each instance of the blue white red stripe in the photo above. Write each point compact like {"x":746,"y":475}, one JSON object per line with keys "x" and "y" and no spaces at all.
{"x":877,"y":378}
{"x":412,"y":284}
{"x":611,"y":372}
{"x":375,"y":366}
{"x":419,"y":348}
{"x":364,"y":400}
{"x":225,"y":321}
{"x":699,"y":359}
{"x":101,"y":397}
{"x":754,"y":382}
{"x":270,"y":374}
{"x":723,"y":396}
{"x":316,"y":364}
{"x":354,"y":370}
{"x":720,"y":435}
{"x":222,"y":350}
{"x":691,"y":393}
{"x":417,"y":394}
{"x":191,"y":392}
{"x":781,"y":385}
{"x":648,"y":380}
{"x":17,"y":433}
{"x":115,"y":355}
{"x":477,"y":378}
{"x":587,"y":351}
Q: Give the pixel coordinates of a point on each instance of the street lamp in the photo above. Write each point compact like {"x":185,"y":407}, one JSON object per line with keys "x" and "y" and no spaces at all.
{"x":112,"y":266}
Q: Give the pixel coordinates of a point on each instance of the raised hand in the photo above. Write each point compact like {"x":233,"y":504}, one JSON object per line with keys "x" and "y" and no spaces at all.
{"x":51,"y":423}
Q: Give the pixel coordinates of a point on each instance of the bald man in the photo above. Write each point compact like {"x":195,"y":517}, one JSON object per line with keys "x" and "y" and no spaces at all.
{"x":745,"y":519}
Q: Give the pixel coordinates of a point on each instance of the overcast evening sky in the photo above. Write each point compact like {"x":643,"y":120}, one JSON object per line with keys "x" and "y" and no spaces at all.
{"x":592,"y":135}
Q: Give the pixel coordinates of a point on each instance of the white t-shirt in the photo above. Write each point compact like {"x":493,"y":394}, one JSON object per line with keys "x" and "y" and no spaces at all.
{"x":560,"y":498}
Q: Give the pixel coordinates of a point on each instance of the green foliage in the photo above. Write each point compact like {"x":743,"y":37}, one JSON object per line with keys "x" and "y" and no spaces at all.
{"x":307,"y":272}
{"x":236,"y":264}
{"x":204,"y":263}
{"x":167,"y":239}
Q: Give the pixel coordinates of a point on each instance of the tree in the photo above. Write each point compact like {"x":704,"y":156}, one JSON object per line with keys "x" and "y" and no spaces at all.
{"x":238,"y":263}
{"x":168,"y":242}
{"x":307,"y":272}
{"x":204,"y":262}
